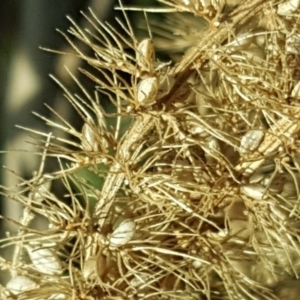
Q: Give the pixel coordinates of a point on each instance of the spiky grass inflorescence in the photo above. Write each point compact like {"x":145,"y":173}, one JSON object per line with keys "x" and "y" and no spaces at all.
{"x":188,"y":186}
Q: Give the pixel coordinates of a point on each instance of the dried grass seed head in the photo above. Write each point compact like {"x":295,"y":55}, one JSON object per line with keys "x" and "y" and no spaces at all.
{"x":201,"y":220}
{"x":147,"y":90}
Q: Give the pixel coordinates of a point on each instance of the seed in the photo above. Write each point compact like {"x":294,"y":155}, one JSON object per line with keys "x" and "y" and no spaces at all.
{"x":122,"y":234}
{"x":254,"y":191}
{"x":281,"y":213}
{"x":288,"y":7}
{"x":147,"y":90}
{"x":89,"y":142}
{"x":145,"y":54}
{"x":20,"y":284}
{"x":260,"y":40}
{"x":186,"y":2}
{"x":197,"y":264}
{"x":256,"y":177}
{"x":251,"y":140}
{"x":45,"y":260}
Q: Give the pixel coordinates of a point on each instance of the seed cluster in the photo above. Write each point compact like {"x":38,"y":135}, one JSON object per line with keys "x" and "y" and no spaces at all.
{"x":188,"y":187}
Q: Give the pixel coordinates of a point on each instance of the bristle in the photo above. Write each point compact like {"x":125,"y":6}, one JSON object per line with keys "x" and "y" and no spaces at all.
{"x":187,"y":187}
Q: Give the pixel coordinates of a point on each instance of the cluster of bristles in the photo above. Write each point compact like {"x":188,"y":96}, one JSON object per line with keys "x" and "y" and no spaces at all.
{"x":188,"y":186}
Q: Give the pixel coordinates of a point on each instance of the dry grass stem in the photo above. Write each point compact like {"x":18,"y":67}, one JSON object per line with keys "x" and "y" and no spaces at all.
{"x":182,"y":180}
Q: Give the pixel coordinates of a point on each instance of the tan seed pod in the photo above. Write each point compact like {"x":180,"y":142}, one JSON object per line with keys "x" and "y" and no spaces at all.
{"x":288,"y":7}
{"x":122,"y":234}
{"x":147,"y":90}
{"x":254,"y":191}
{"x":256,"y":177}
{"x":20,"y":284}
{"x":45,"y":260}
{"x":196,"y":264}
{"x":251,"y":140}
{"x":89,"y":141}
{"x":94,"y":267}
{"x":260,"y":38}
{"x":145,"y":55}
{"x":281,"y":213}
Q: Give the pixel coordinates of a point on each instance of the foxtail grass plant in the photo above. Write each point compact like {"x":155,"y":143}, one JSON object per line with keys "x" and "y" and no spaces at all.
{"x":187,"y":187}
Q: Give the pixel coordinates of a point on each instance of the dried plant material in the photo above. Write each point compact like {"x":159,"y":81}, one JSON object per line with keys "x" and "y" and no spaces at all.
{"x":122,"y":234}
{"x":147,"y":90}
{"x":58,"y":296}
{"x":296,"y":91}
{"x":241,"y":42}
{"x":89,"y":139}
{"x":256,"y":177}
{"x":279,"y":212}
{"x":254,"y":191}
{"x":209,"y":9}
{"x":45,"y":260}
{"x":40,"y":192}
{"x":20,"y":284}
{"x":195,"y":52}
{"x":145,"y":56}
{"x":89,"y":271}
{"x":288,"y":7}
{"x":251,"y":140}
{"x":139,"y":282}
{"x":185,"y":183}
{"x":214,"y":146}
{"x":284,"y":128}
{"x":94,"y":267}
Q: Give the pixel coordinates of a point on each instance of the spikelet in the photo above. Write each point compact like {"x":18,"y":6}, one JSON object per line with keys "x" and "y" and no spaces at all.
{"x":187,"y":187}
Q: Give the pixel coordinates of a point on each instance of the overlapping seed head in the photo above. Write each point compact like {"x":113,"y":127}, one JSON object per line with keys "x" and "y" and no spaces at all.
{"x":187,"y":186}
